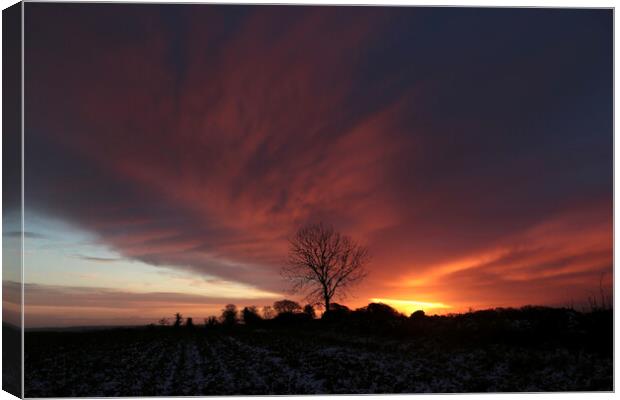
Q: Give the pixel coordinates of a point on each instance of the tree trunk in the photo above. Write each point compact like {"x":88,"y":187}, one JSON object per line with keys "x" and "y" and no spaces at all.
{"x":326,"y":303}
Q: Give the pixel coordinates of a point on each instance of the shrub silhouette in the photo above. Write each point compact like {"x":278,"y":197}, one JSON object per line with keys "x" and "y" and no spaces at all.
{"x":286,"y":306}
{"x":381,"y":311}
{"x":210,"y":321}
{"x":178,"y":320}
{"x":417,"y":315}
{"x":309,"y":311}
{"x":189,"y":323}
{"x":336,"y":312}
{"x":250,"y":315}
{"x":293,"y":319}
{"x":268,"y":312}
{"x":229,"y":315}
{"x":289,"y":313}
{"x":377,"y":317}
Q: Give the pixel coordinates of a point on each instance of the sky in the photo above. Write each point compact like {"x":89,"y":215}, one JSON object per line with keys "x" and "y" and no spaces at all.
{"x":171,"y":150}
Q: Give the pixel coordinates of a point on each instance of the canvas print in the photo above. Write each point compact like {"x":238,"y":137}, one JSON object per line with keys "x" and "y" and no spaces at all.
{"x":298,"y":199}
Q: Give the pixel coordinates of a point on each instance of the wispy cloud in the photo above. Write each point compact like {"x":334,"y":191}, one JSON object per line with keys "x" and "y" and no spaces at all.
{"x":98,"y":259}
{"x":26,"y":234}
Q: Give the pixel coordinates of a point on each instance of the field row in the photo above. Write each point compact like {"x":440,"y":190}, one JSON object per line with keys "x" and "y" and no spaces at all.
{"x":265,"y":362}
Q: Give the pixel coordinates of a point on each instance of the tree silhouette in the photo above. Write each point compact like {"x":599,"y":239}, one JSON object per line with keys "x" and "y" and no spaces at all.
{"x":417,"y":315}
{"x":211,"y":321}
{"x":268,"y":312}
{"x":286,"y":306}
{"x":250,"y":315}
{"x":309,"y":311}
{"x":178,"y":320}
{"x":229,"y":315}
{"x":324,"y":263}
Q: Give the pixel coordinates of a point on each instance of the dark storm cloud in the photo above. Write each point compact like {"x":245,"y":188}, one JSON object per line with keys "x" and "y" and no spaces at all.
{"x":201,"y":136}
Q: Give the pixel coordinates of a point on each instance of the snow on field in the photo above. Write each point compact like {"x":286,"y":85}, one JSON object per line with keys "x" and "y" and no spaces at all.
{"x":275,"y":362}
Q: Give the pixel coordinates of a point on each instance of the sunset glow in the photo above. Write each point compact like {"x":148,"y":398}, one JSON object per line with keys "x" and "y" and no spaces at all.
{"x":409,"y":306}
{"x":171,"y":155}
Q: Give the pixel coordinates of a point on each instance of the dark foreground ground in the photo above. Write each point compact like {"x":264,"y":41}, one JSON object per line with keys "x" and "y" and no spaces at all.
{"x":11,"y":359}
{"x":557,"y":350}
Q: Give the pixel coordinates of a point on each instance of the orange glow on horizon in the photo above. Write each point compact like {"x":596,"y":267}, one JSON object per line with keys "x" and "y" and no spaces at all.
{"x":409,"y":306}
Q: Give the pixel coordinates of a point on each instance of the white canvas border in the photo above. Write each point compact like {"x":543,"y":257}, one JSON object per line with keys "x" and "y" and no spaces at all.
{"x":463,"y":3}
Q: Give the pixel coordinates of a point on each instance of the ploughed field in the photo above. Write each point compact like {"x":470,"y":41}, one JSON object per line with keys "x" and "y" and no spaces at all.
{"x":217,"y":361}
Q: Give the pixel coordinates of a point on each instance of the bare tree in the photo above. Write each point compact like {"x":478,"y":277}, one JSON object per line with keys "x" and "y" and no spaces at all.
{"x":324,"y":263}
{"x":268,"y":312}
{"x":286,"y":306}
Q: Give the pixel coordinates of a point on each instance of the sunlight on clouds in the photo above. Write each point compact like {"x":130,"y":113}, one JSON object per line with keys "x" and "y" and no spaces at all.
{"x":171,"y":280}
{"x":436,"y":271}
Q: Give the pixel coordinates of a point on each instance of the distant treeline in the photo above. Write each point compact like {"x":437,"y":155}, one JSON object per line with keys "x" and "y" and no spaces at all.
{"x":529,"y":325}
